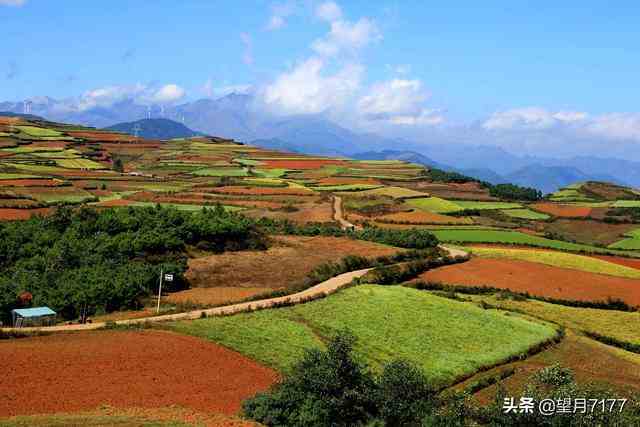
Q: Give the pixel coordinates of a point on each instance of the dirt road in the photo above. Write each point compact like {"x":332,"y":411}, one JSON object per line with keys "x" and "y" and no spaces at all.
{"x":338,"y":214}
{"x":327,"y":287}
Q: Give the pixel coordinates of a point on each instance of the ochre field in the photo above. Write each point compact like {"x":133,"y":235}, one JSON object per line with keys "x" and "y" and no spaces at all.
{"x":148,"y":369}
{"x":537,"y":279}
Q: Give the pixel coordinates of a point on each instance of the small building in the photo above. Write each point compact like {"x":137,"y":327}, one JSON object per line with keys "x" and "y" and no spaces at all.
{"x":37,"y":316}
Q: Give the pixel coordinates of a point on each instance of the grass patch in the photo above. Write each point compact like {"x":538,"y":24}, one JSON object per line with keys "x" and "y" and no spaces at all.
{"x":627,"y":204}
{"x":79,"y":164}
{"x":562,"y":260}
{"x":632,"y":244}
{"x":394,"y":192}
{"x":473,"y":205}
{"x":622,"y":325}
{"x":38,"y":132}
{"x":346,"y":187}
{"x":525,"y":214}
{"x":516,"y":238}
{"x":220,"y":172}
{"x":434,"y":204}
{"x":446,"y":338}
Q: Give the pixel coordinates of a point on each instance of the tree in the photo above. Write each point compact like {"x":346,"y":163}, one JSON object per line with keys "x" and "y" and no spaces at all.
{"x":326,"y":388}
{"x":404,"y":397}
{"x":118,"y":165}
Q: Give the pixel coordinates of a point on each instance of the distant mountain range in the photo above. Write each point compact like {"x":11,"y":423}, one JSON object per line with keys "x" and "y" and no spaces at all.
{"x":155,"y":129}
{"x":235,"y":116}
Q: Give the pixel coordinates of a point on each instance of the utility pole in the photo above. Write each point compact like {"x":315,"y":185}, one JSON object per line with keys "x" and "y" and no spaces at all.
{"x":160,"y":290}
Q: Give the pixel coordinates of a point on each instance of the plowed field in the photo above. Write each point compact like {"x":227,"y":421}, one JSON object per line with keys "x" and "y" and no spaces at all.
{"x":537,"y":279}
{"x":147,"y":369}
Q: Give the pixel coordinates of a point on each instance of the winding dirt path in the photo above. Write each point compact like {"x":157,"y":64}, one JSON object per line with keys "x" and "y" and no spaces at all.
{"x":338,"y":214}
{"x":325,"y":288}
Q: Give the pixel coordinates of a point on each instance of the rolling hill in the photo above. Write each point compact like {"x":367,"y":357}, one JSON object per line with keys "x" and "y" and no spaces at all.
{"x":155,"y":129}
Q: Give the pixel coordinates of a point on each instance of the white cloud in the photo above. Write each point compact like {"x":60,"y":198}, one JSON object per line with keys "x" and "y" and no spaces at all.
{"x":279,"y":14}
{"x":329,"y":11}
{"x":247,"y":55}
{"x":138,"y":93}
{"x":15,"y":3}
{"x":532,"y":118}
{"x":346,"y":36}
{"x":308,"y":88}
{"x":167,"y":94}
{"x":429,"y":117}
{"x":623,"y":126}
{"x":398,"y":101}
{"x":610,"y":126}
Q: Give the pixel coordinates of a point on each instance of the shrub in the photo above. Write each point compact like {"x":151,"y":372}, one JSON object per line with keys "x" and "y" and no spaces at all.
{"x":404,"y":397}
{"x":326,"y":388}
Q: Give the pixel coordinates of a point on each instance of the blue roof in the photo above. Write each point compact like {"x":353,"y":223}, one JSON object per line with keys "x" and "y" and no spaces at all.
{"x":33,"y":312}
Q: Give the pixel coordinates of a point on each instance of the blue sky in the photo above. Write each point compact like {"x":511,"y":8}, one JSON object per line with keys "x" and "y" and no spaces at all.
{"x":533,"y":64}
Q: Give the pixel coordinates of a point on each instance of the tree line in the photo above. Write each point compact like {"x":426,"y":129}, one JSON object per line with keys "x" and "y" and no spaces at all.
{"x":92,"y":261}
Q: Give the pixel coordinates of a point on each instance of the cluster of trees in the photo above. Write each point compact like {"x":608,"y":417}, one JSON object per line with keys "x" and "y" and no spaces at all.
{"x":99,"y":261}
{"x":333,"y":388}
{"x":514,"y":192}
{"x":622,"y":215}
{"x":502,"y":191}
{"x":414,"y":238}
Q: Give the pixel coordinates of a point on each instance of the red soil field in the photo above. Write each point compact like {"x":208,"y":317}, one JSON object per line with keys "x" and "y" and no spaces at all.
{"x":126,"y":145}
{"x":627,"y":262}
{"x":537,"y":279}
{"x":16,"y":214}
{"x":300,"y":164}
{"x":9,"y":120}
{"x":340,"y":181}
{"x":420,"y":217}
{"x":29,"y":183}
{"x":146,"y":369}
{"x":101,"y":136}
{"x":569,"y":211}
{"x":262,"y":191}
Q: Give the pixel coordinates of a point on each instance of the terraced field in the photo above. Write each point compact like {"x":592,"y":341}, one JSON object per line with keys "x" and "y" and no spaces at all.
{"x":560,"y":259}
{"x":390,"y":322}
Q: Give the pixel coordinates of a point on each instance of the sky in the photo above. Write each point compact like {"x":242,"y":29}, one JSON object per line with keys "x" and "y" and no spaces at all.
{"x":546,"y":68}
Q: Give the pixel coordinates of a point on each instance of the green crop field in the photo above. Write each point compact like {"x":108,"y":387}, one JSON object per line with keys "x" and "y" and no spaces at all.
{"x":18,"y":176}
{"x":448,"y":339}
{"x":346,"y":187}
{"x":515,"y":238}
{"x":394,"y":192}
{"x":464,"y":204}
{"x":622,"y":325}
{"x":38,"y":132}
{"x":626,"y":244}
{"x":79,"y":164}
{"x":434,"y":204}
{"x":560,"y":259}
{"x":526,"y":214}
{"x":627,"y":204}
{"x":246,"y":162}
{"x":221,"y":172}
{"x":271,"y":173}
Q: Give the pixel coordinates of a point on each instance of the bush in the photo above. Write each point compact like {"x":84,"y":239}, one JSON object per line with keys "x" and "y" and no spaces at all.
{"x":326,"y":388}
{"x":404,"y":397}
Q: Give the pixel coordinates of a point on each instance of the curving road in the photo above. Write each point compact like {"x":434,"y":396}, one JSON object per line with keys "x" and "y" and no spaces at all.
{"x":338,"y":214}
{"x":325,"y":288}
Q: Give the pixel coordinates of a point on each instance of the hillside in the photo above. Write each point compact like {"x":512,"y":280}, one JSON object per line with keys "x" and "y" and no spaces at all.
{"x":154,"y":129}
{"x":278,"y":222}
